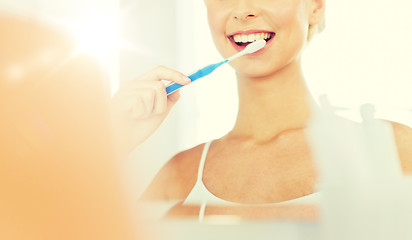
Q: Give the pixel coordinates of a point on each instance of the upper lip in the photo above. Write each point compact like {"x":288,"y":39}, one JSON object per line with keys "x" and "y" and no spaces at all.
{"x":247,"y":32}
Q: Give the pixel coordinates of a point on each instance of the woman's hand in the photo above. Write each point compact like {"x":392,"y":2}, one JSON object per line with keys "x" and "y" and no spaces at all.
{"x":140,"y":107}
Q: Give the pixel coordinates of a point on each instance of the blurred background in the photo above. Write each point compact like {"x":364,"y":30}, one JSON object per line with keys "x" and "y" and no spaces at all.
{"x":362,"y":56}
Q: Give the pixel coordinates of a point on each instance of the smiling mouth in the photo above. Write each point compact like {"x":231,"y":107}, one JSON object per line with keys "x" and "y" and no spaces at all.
{"x":246,"y":39}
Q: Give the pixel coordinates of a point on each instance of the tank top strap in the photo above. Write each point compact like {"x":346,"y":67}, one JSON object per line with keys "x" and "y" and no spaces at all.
{"x":202,"y":161}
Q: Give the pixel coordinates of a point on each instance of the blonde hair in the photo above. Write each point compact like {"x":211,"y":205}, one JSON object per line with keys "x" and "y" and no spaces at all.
{"x":314,"y":29}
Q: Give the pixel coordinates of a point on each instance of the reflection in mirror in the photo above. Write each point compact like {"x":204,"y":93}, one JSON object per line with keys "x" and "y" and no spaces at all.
{"x":257,"y":140}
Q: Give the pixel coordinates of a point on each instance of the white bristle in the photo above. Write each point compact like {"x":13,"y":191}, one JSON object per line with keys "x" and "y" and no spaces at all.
{"x":255,"y":46}
{"x":251,"y":48}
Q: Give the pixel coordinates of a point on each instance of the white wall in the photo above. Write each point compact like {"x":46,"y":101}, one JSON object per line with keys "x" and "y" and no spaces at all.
{"x":364,"y":56}
{"x":150,"y":31}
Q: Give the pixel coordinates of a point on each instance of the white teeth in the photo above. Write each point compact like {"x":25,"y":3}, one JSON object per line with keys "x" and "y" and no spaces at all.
{"x":251,"y":37}
{"x":244,"y":38}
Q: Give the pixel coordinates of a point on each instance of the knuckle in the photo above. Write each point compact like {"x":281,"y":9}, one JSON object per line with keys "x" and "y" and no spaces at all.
{"x":161,"y":68}
{"x":158,"y":86}
{"x":139,"y":102}
{"x":148,"y":94}
{"x":152,"y":93}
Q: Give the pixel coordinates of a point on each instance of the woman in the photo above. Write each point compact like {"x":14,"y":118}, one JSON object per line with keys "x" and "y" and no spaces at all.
{"x":265,"y":158}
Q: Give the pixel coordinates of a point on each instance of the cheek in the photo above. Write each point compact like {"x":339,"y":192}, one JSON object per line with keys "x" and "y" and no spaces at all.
{"x":213,"y":22}
{"x":291,"y":22}
{"x":287,"y":15}
{"x":216,"y":19}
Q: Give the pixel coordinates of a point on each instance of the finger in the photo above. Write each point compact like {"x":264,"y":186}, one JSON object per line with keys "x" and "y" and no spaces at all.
{"x":124,"y":103}
{"x":138,"y":109}
{"x":172,"y":100}
{"x":144,"y":104}
{"x":164,"y":73}
{"x":161,"y":98}
{"x":159,"y":91}
{"x":173,"y":97}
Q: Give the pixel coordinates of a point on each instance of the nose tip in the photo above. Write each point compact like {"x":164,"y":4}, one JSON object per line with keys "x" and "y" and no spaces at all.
{"x":245,"y":9}
{"x":244,"y":16}
{"x":245,"y":13}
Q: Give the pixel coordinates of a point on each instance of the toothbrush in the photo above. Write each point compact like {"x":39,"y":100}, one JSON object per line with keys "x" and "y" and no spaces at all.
{"x":251,"y":48}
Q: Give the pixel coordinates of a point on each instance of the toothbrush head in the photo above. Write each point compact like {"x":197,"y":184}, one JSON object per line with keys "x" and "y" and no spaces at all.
{"x":254,"y":47}
{"x":251,"y":48}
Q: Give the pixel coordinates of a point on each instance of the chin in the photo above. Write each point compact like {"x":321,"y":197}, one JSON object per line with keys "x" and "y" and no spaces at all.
{"x":254,"y":74}
{"x":268,"y":68}
{"x":256,"y":70}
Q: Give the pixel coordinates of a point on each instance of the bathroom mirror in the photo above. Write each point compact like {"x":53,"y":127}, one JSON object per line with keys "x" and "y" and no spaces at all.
{"x":362,"y":56}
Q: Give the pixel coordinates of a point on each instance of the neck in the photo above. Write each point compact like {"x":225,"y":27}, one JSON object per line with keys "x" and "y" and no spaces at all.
{"x":272,"y":105}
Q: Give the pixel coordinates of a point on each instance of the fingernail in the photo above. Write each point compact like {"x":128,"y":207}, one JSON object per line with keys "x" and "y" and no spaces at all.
{"x":186,"y":80}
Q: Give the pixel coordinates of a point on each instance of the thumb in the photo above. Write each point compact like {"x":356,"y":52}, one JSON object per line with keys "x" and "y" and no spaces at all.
{"x":173,"y":98}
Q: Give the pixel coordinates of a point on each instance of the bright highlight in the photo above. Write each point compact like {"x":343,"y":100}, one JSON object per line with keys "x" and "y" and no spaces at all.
{"x":98,"y":35}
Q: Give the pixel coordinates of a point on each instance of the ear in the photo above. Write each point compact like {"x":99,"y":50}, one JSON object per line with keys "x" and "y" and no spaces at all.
{"x":317,"y":11}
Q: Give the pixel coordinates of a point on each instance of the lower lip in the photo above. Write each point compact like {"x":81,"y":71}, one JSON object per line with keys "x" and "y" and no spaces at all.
{"x":240,"y":48}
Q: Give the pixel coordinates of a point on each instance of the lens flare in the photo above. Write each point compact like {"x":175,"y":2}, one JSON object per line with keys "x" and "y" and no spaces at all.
{"x":98,"y":34}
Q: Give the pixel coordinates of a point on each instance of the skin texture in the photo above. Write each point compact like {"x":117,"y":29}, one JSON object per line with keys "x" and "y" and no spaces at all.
{"x":140,"y":106}
{"x":265,"y":158}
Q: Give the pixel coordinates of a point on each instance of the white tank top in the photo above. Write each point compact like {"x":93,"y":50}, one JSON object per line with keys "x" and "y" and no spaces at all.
{"x":200,"y":195}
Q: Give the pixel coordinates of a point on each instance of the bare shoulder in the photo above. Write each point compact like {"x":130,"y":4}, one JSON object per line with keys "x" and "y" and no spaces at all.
{"x":176,"y":178}
{"x":403,"y":138}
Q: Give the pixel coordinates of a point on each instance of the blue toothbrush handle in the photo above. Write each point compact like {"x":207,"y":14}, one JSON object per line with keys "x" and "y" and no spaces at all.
{"x":199,"y":74}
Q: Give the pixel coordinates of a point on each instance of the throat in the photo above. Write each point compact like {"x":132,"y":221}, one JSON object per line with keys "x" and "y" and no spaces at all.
{"x":265,"y":121}
{"x":270,"y":106}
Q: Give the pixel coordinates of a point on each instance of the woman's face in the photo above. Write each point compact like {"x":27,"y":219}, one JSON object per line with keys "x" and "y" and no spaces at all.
{"x":283,"y":23}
